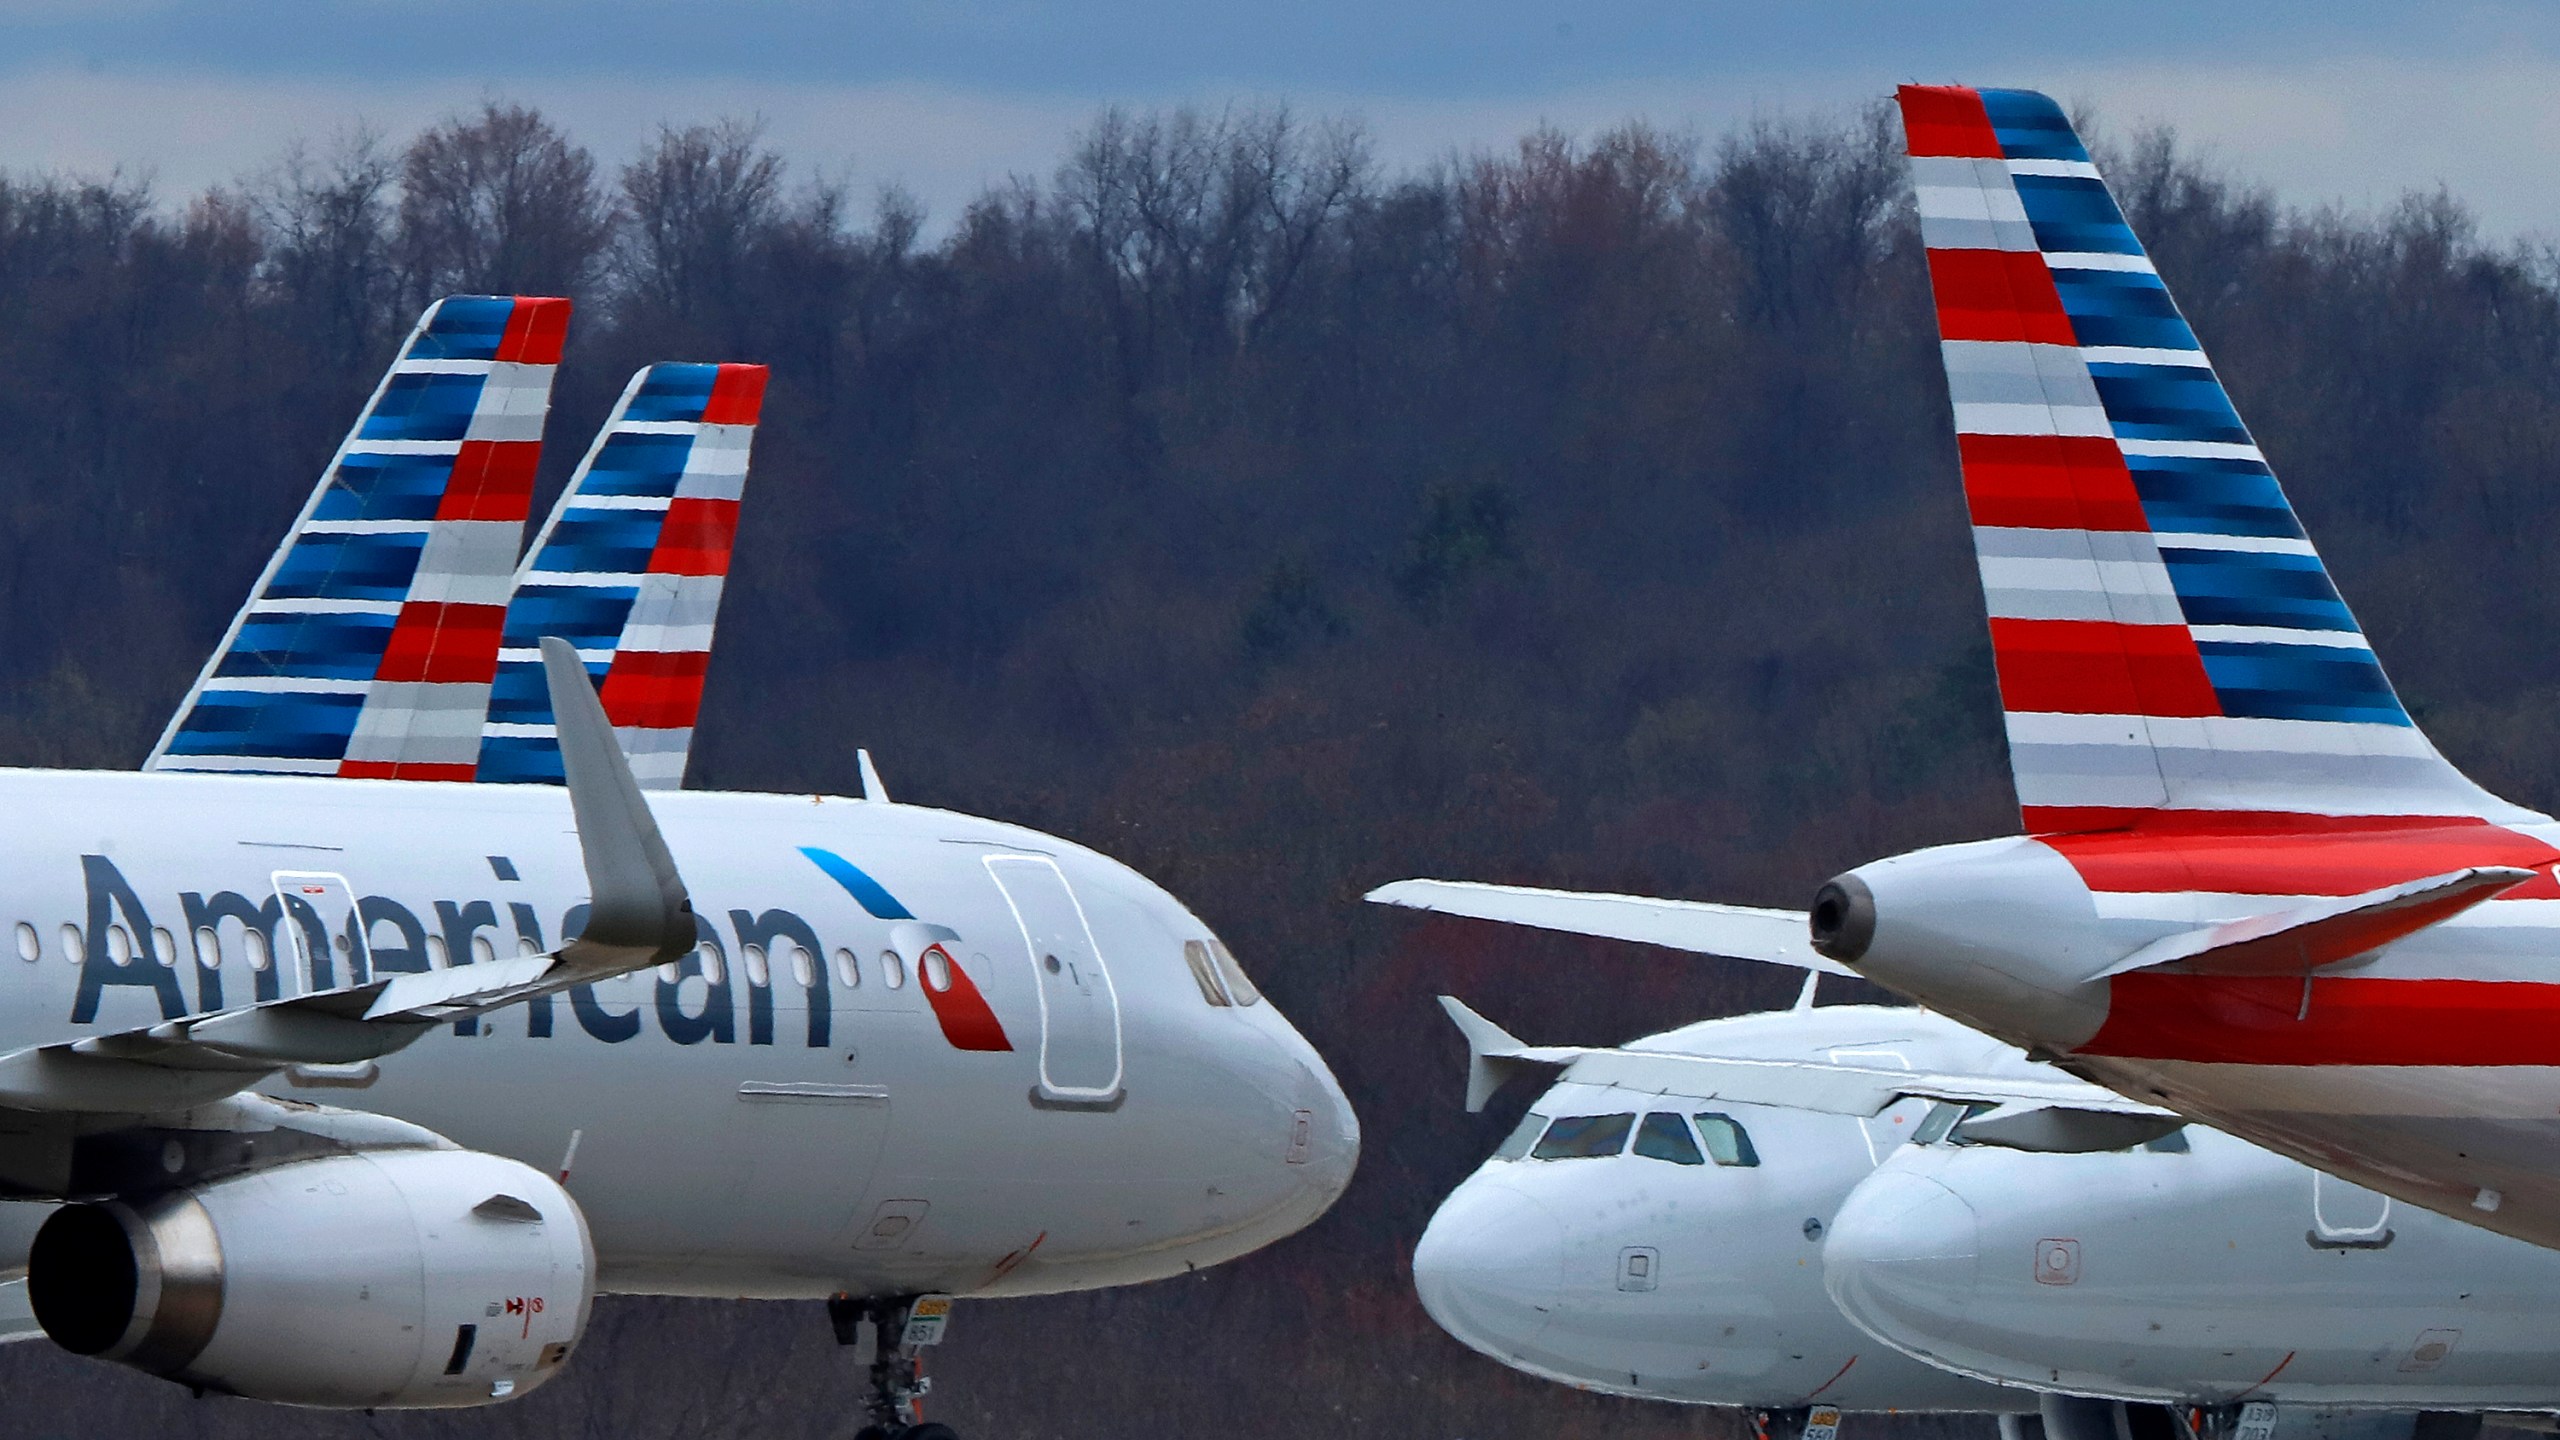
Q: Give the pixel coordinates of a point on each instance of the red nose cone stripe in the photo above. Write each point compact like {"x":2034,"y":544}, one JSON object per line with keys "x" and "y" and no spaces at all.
{"x":968,"y":1022}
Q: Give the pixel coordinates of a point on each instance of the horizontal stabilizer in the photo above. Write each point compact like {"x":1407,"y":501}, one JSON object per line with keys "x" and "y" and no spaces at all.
{"x":2301,"y":940}
{"x":1494,"y":1055}
{"x":1775,"y":937}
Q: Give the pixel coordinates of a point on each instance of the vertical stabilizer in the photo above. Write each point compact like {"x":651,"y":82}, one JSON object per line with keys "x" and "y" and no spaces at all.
{"x":369,"y":644}
{"x":629,"y":569}
{"x":2166,"y":636}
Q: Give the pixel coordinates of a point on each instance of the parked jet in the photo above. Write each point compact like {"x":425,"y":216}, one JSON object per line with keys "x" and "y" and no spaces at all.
{"x":887,"y":1051}
{"x":2251,"y":889}
{"x":2196,"y":1269}
{"x":2034,"y":1234}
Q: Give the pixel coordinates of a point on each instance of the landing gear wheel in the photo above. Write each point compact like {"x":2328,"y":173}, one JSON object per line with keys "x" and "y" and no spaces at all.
{"x":897,"y":1379}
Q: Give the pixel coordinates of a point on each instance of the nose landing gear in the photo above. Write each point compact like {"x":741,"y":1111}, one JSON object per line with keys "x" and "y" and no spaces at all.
{"x":900,"y":1326}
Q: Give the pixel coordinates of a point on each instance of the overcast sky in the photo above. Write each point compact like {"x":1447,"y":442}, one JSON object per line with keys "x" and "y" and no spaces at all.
{"x":2349,"y":101}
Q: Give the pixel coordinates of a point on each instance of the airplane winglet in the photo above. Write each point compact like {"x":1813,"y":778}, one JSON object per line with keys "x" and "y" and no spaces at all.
{"x":2301,"y":940}
{"x":637,"y":901}
{"x":1494,"y":1054}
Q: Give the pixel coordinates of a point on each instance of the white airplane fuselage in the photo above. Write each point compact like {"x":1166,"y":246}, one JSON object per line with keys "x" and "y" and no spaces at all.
{"x":1529,"y":1260}
{"x":2221,"y":1273}
{"x":767,"y":1131}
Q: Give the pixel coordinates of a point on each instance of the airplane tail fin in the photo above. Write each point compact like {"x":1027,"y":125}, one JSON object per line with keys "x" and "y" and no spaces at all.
{"x":629,"y":569}
{"x":368,"y":645}
{"x":2167,"y":639}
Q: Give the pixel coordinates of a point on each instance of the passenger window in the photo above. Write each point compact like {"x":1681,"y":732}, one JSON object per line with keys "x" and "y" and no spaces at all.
{"x":1204,"y":972}
{"x":893,"y":970}
{"x":1666,"y":1137}
{"x":483,"y":952}
{"x":1584,"y":1137}
{"x":804,"y":967}
{"x":208,"y":947}
{"x":439,"y":956}
{"x":75,"y":947}
{"x":1727,"y":1143}
{"x":253,"y":943}
{"x":119,"y":945}
{"x":168,"y":948}
{"x":713,"y":969}
{"x":759,"y":969}
{"x":848,"y":969}
{"x":30,"y":949}
{"x":1523,"y":1135}
{"x":1233,"y":974}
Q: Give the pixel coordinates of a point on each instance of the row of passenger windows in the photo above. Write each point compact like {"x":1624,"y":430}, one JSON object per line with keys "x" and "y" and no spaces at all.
{"x":255,"y":950}
{"x":1662,"y":1135}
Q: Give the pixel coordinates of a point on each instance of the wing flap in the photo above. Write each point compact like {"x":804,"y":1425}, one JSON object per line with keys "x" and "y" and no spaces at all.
{"x":1741,"y":932}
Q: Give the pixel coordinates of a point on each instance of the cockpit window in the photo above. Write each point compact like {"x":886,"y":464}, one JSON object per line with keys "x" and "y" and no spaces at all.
{"x":1204,"y":972}
{"x":1233,"y":974}
{"x":1583,"y":1137}
{"x":1523,"y":1135}
{"x":1666,"y":1137}
{"x":1933,"y":1127}
{"x":1727,"y":1142}
{"x":2173,"y":1143}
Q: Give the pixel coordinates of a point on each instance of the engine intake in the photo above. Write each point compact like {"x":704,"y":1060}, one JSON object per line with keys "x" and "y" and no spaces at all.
{"x":397,"y":1279}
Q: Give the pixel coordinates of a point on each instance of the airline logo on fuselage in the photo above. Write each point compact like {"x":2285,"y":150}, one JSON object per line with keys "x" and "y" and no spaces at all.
{"x":384,"y":936}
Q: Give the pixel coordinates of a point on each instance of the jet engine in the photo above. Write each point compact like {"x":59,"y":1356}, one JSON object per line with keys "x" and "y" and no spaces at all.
{"x":401,"y":1278}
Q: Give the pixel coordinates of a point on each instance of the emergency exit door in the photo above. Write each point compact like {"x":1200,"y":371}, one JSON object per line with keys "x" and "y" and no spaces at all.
{"x":1079,"y":1009}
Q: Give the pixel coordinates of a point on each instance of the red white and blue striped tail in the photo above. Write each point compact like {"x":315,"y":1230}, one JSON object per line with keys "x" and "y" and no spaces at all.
{"x":2167,"y":638}
{"x":629,"y":569}
{"x":368,"y":646}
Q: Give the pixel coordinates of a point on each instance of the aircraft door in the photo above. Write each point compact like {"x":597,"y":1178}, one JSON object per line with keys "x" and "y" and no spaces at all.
{"x":1079,"y":1009}
{"x":320,"y":923}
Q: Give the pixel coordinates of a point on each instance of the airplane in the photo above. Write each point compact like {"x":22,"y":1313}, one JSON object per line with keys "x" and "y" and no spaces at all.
{"x":1639,"y":1238}
{"x":1767,"y":1192}
{"x":2249,"y":888}
{"x":888,"y":1054}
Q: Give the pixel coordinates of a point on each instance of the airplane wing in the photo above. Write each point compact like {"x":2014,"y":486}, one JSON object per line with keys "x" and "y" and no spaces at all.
{"x":2054,"y":1113}
{"x":2325,"y":932}
{"x":1775,"y":937}
{"x":639,"y":916}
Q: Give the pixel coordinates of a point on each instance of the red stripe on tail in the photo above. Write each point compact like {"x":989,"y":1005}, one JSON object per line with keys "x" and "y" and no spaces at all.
{"x":442,"y":643}
{"x":695,"y":538}
{"x":2049,"y":482}
{"x":535,"y":331}
{"x":1947,"y":120}
{"x":737,"y":396}
{"x":492,"y":480}
{"x":655,"y":689}
{"x":2099,"y":667}
{"x":1998,"y":295}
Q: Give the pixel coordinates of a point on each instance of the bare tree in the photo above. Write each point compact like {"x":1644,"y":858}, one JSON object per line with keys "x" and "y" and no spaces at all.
{"x":328,"y":221}
{"x":500,"y":202}
{"x":701,"y":201}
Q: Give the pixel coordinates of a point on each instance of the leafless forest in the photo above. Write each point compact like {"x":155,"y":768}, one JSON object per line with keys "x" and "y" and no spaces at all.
{"x":1583,"y":514}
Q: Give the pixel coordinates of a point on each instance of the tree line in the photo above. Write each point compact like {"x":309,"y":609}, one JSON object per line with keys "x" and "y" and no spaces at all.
{"x":1583,"y":513}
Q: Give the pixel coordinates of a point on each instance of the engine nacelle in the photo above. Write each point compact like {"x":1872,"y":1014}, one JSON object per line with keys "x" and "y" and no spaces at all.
{"x":399,"y":1278}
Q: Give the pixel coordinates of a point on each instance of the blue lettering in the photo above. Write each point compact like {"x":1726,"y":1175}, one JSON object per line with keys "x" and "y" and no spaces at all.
{"x":109,"y":895}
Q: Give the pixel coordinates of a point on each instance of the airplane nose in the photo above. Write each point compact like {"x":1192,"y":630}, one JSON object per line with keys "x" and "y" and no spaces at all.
{"x":1490,"y":1267}
{"x":1902,"y":1250}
